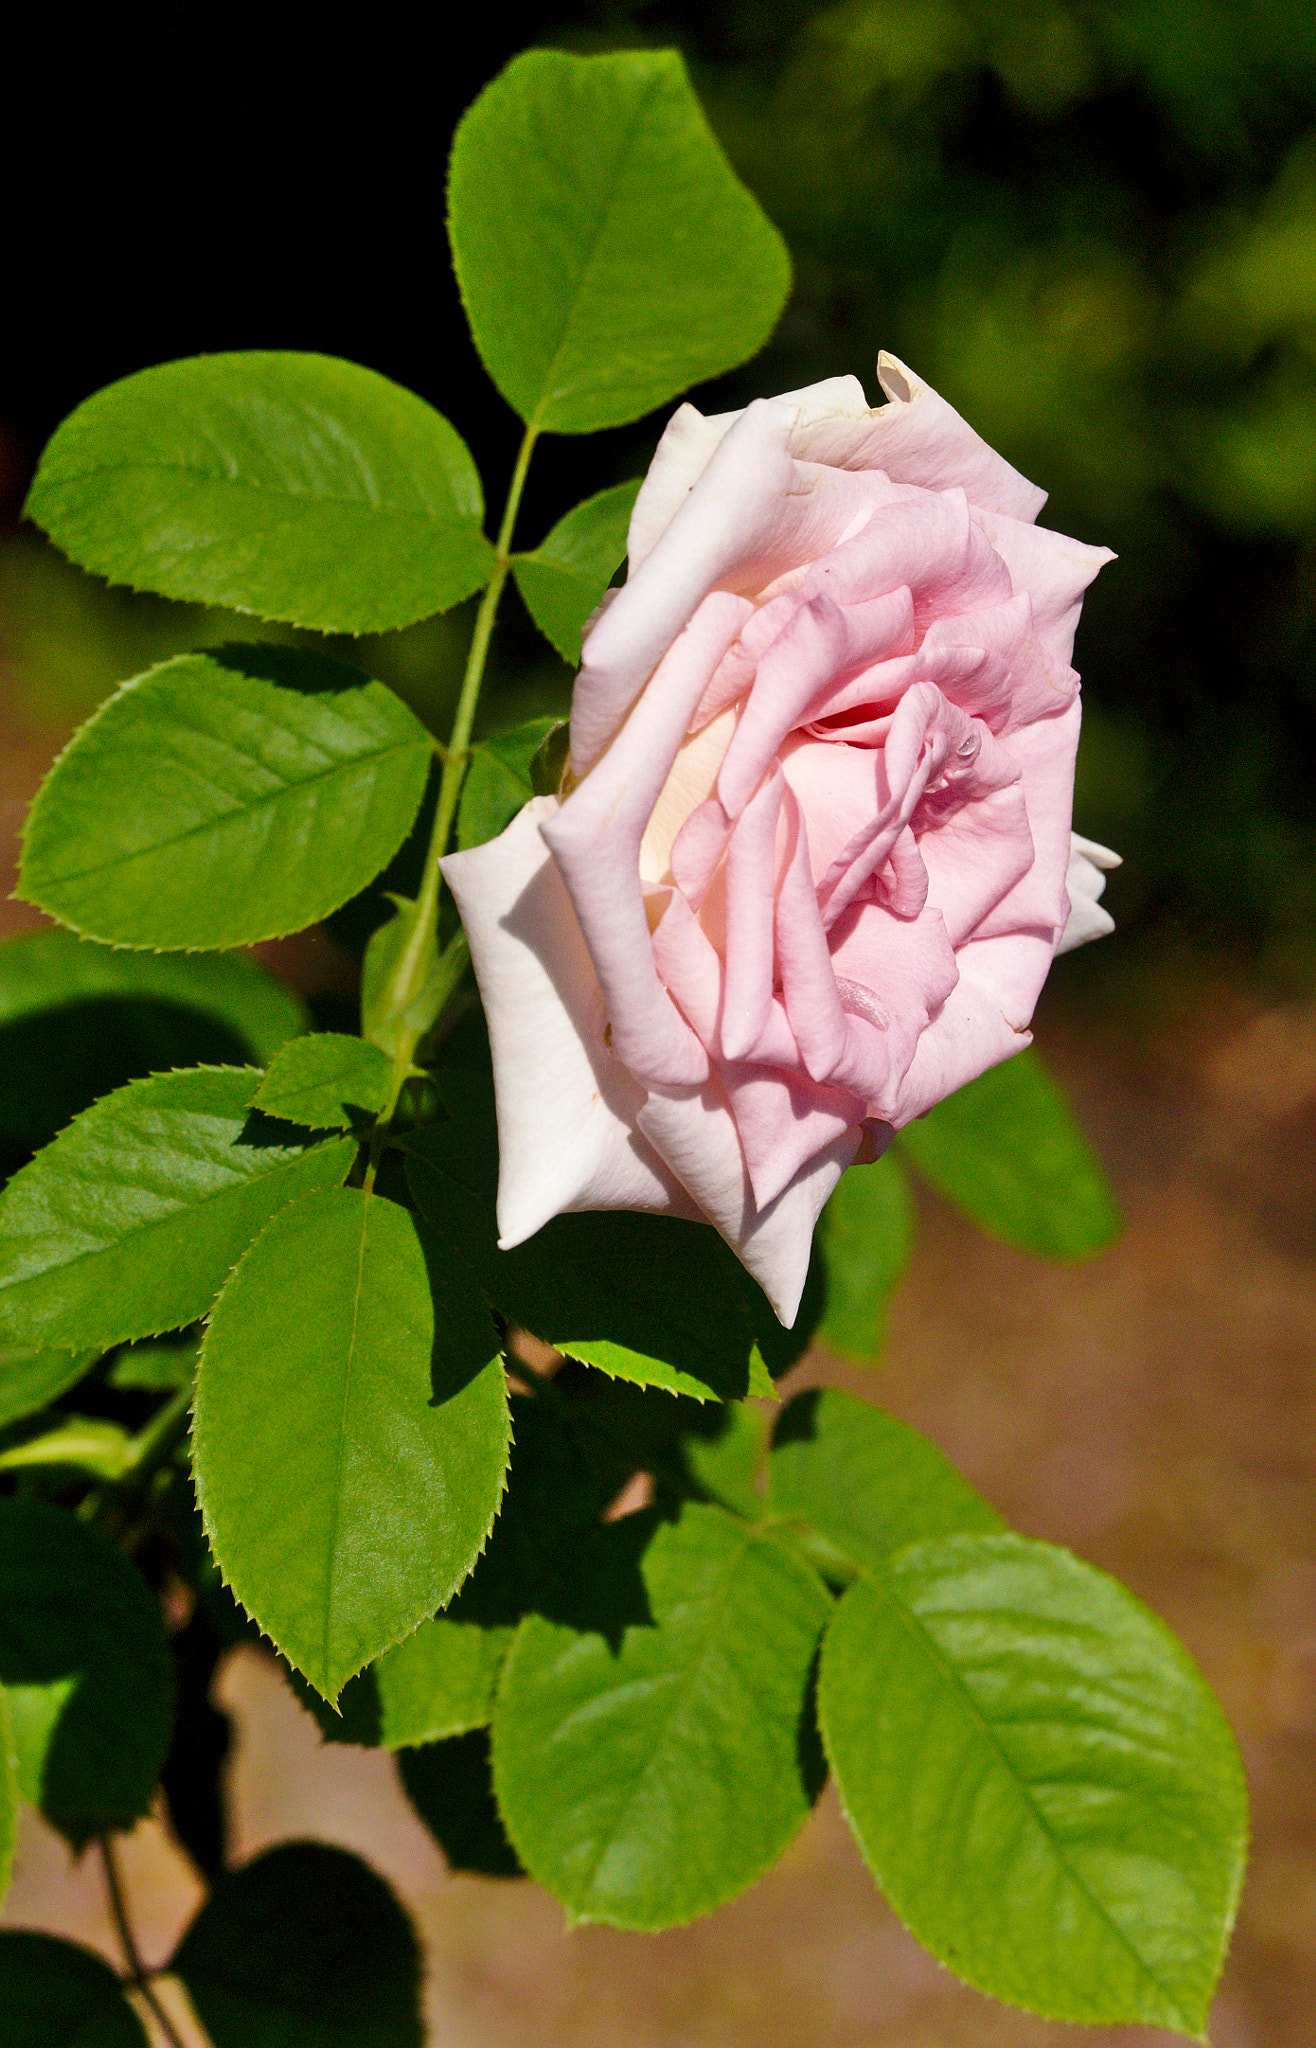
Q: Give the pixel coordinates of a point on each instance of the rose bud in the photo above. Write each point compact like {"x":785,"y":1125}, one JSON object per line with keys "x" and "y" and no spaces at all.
{"x":811,"y":856}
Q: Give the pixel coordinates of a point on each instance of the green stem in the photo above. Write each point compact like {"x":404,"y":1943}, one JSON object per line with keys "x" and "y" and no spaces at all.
{"x":138,"y":1974}
{"x":156,"y":1444}
{"x":409,"y":973}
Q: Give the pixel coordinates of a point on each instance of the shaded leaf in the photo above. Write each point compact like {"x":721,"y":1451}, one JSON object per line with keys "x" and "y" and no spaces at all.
{"x":866,"y":1233}
{"x":78,"y":1020}
{"x":1007,"y":1151}
{"x":499,"y":781}
{"x":865,"y":1482}
{"x":651,"y":1299}
{"x":451,"y":1787}
{"x":31,"y":1380}
{"x":646,"y":1779}
{"x":351,"y":1433}
{"x":8,"y":1795}
{"x":304,"y":1947}
{"x":564,"y":579}
{"x":224,"y":797}
{"x":131,"y":1221}
{"x":608,"y":255}
{"x":294,"y":486}
{"x":85,"y":1664}
{"x":57,"y":1994}
{"x":1039,"y":1778}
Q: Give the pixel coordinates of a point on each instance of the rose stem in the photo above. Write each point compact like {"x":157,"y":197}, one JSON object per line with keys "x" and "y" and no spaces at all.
{"x":408,"y":975}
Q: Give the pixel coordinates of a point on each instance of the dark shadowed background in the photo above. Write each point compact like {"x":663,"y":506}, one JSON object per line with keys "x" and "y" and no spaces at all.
{"x":1093,"y":227}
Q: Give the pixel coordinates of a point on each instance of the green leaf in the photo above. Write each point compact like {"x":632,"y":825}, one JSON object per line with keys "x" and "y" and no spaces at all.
{"x":451,"y":1787}
{"x":564,"y":579}
{"x":351,"y":1432}
{"x":867,"y":1234}
{"x":1007,"y":1151}
{"x":78,"y":1020}
{"x":652,"y":1299}
{"x":8,"y":1795}
{"x":322,"y":1079}
{"x":83,"y":1442}
{"x":159,"y":1365}
{"x":224,"y":797}
{"x":86,"y":1667}
{"x":648,"y":1773}
{"x":864,"y":1482}
{"x":131,"y":1221}
{"x":1039,"y":1778}
{"x":297,"y":487}
{"x":438,"y":1682}
{"x":498,"y":781}
{"x":608,"y":255}
{"x":31,"y":1380}
{"x":728,"y":1462}
{"x":56,"y":1994}
{"x":304,"y":1947}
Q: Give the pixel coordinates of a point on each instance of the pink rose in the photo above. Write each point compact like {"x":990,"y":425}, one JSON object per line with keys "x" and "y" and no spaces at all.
{"x":807,"y":869}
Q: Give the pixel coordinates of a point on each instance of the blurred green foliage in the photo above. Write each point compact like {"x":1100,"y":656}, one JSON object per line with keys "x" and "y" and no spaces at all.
{"x":1092,"y":225}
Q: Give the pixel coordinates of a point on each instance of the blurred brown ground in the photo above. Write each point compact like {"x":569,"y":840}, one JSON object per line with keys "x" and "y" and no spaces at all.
{"x":1154,"y":1408}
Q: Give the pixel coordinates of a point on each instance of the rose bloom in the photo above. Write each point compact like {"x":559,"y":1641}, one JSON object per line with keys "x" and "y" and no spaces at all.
{"x":811,"y":858}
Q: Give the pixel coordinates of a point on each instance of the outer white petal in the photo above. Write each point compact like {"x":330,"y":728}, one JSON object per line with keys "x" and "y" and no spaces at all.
{"x":567,"y":1133}
{"x":1085,"y":881}
{"x":687,"y":446}
{"x":696,"y":1134}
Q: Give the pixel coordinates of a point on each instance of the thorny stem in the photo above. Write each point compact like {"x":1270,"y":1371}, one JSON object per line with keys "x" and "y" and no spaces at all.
{"x":408,"y":976}
{"x":138,"y":1974}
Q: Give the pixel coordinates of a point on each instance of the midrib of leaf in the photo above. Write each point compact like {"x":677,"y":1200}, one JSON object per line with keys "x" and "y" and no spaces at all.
{"x":225,"y":819}
{"x":916,"y":1628}
{"x":265,"y":490}
{"x":336,"y":1503}
{"x":680,"y":1679}
{"x":550,"y":392}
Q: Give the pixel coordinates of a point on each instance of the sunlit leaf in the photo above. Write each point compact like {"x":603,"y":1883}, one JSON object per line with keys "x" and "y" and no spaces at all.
{"x":1044,"y":1787}
{"x":608,"y":255}
{"x":351,"y":1432}
{"x":225,"y":797}
{"x":294,"y":486}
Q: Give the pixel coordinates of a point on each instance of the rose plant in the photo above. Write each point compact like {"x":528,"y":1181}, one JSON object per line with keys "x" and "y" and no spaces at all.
{"x":769,"y":920}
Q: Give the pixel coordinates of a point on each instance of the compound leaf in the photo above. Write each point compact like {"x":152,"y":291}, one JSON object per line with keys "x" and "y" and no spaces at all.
{"x":866,"y":1233}
{"x":864,"y":1482}
{"x":320,"y":1079}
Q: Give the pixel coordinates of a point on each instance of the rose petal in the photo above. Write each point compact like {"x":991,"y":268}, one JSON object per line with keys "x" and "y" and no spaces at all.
{"x":567,"y":1113}
{"x":1054,"y":570}
{"x":696,"y":1134}
{"x":1084,"y":883}
{"x":756,"y":512}
{"x":918,"y":438}
{"x":596,"y":836}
